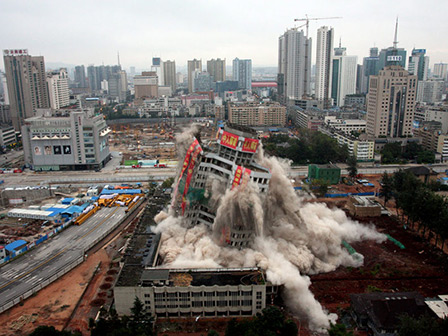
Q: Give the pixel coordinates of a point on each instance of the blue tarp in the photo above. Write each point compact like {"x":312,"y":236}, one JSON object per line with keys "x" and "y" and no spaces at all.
{"x":121,"y":191}
{"x":94,"y":198}
{"x":11,"y":247}
{"x":55,"y":211}
{"x":75,"y":209}
{"x":67,"y":200}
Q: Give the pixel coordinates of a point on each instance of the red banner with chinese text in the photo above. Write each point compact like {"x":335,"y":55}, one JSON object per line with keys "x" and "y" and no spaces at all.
{"x":237,"y":177}
{"x":229,"y":140}
{"x":250,"y":145}
{"x":189,"y":176}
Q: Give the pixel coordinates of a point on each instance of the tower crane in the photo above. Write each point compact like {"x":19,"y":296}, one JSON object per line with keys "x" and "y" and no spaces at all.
{"x":306,"y":24}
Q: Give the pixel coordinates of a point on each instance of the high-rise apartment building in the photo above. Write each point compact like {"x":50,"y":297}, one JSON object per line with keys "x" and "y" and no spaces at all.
{"x":294,"y":64}
{"x":217,"y":69}
{"x":80,"y":76}
{"x":193,"y":65}
{"x":257,"y":114}
{"x":324,"y":64}
{"x":242,"y":72}
{"x":391,"y":102}
{"x":440,"y":70}
{"x":169,"y":73}
{"x":27,"y":85}
{"x":57,"y":82}
{"x":418,"y":64}
{"x":343,"y":81}
{"x":157,"y":67}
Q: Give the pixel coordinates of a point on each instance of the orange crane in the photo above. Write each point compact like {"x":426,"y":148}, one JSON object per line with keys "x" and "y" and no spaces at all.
{"x":307,"y":24}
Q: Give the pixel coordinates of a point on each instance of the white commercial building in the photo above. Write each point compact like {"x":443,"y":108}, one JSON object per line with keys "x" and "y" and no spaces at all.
{"x":344,"y":77}
{"x":324,"y":63}
{"x":346,"y":125}
{"x":57,"y":82}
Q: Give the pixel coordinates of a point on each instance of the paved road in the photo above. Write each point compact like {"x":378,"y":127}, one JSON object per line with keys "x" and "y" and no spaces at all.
{"x":45,"y":261}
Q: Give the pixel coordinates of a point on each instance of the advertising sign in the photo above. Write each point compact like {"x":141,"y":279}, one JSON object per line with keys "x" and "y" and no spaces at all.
{"x":15,"y":52}
{"x":395,"y":58}
{"x":250,"y":145}
{"x":37,"y":150}
{"x":57,"y":150}
{"x":229,"y":140}
{"x":67,"y":149}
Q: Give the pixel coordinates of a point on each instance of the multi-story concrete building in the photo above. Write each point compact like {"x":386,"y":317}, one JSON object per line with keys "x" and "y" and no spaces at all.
{"x":391,"y":103}
{"x":80,"y":76}
{"x":370,"y":67}
{"x":429,"y":132}
{"x":27,"y":85}
{"x":431,"y":90}
{"x":442,"y":146}
{"x":294,"y":64}
{"x":309,"y":119}
{"x":118,"y":85}
{"x":77,"y":141}
{"x":4,"y":86}
{"x":202,"y":81}
{"x":193,"y":65}
{"x":7,"y":136}
{"x":59,"y":95}
{"x":440,"y":70}
{"x":242,"y":72}
{"x":343,"y":80}
{"x":157,"y":67}
{"x":146,"y":85}
{"x":392,"y":56}
{"x":257,"y":114}
{"x":324,"y":64}
{"x":355,"y":100}
{"x":169,"y":73}
{"x":347,"y":126}
{"x":5,"y":115}
{"x":437,"y":113}
{"x":418,"y":64}
{"x":223,"y":165}
{"x":217,"y":69}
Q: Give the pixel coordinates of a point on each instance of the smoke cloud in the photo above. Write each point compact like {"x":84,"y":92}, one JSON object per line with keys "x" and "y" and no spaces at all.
{"x":293,"y":238}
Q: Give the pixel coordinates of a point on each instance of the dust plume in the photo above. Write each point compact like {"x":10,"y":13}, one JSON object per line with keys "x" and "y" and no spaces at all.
{"x":292,"y":238}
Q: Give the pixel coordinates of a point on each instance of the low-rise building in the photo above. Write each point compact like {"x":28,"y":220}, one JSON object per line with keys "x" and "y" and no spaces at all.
{"x":308,"y":119}
{"x":7,"y":136}
{"x":363,"y":206}
{"x":74,"y":141}
{"x":348,"y":126}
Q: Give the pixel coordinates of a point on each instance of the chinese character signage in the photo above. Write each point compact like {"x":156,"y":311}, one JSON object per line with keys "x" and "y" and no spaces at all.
{"x":229,"y":140}
{"x":15,"y":52}
{"x":250,"y":145}
{"x":241,"y":175}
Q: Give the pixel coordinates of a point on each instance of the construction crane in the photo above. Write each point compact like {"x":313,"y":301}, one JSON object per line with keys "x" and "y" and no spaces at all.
{"x":307,"y":24}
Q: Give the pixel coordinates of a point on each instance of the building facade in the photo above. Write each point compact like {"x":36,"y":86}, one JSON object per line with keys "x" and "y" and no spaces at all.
{"x":370,"y":67}
{"x":257,"y":114}
{"x":391,"y":103}
{"x":294,"y":64}
{"x":146,"y":85}
{"x":27,"y":85}
{"x":324,"y":64}
{"x":343,"y":81}
{"x":418,"y":64}
{"x":217,"y":69}
{"x":77,"y":141}
{"x":430,"y":91}
{"x":242,"y":72}
{"x":169,"y":73}
{"x":392,"y":56}
{"x":80,"y":76}
{"x":440,"y":70}
{"x":59,"y":95}
{"x":193,"y":65}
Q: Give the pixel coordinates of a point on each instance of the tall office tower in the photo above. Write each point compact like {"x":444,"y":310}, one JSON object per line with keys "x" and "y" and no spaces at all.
{"x":418,"y":64}
{"x":242,"y":72}
{"x":343,"y":81}
{"x":193,"y":65}
{"x":370,"y":67}
{"x":157,"y":67}
{"x":92,"y":78}
{"x":217,"y":69}
{"x":117,"y":85}
{"x":324,"y":51}
{"x":124,"y":83}
{"x":57,"y":82}
{"x":391,"y":102}
{"x":294,"y":62}
{"x":440,"y":70}
{"x":169,"y":73}
{"x":27,"y":85}
{"x":80,"y":76}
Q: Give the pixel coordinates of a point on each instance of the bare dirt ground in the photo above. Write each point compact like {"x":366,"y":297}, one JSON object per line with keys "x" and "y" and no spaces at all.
{"x":54,"y":304}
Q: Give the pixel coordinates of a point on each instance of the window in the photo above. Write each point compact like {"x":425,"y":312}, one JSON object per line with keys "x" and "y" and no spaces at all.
{"x":196,"y":304}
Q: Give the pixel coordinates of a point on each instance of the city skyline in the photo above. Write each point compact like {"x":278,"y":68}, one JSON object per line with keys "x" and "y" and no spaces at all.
{"x":182,"y":30}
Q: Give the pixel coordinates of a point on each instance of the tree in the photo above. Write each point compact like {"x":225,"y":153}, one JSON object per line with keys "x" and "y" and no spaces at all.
{"x":51,"y":331}
{"x":339,"y":330}
{"x":387,"y":187}
{"x":352,"y":166}
{"x":319,"y":187}
{"x":422,"y":326}
{"x":212,"y":332}
{"x":168,"y":183}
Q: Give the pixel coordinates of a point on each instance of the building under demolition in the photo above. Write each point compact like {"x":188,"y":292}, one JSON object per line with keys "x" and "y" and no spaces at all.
{"x":211,"y":169}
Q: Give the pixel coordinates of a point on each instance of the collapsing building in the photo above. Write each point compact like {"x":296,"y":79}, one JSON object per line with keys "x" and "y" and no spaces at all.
{"x":209,"y":170}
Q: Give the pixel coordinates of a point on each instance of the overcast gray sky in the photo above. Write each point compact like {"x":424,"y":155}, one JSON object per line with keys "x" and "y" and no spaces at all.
{"x":91,"y":32}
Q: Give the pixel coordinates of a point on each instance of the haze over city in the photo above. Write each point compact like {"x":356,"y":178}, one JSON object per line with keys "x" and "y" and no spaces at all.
{"x":88,"y":32}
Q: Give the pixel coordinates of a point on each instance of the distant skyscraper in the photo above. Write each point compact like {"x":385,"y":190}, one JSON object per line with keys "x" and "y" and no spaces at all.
{"x":169,"y":72}
{"x":4,"y":85}
{"x":217,"y":69}
{"x":242,"y":72}
{"x":390,"y":56}
{"x":370,"y":67}
{"x":343,"y":80}
{"x":57,"y":82}
{"x":294,"y":63}
{"x":157,"y":67}
{"x":418,"y":64}
{"x":80,"y":76}
{"x":193,"y":65}
{"x":92,"y":79}
{"x":324,"y":51}
{"x":27,"y":85}
{"x":440,"y":70}
{"x":202,"y":81}
{"x":391,"y":102}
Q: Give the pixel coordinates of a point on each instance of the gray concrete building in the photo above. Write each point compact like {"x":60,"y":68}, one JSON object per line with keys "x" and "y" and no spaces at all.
{"x":77,"y":140}
{"x":217,"y":69}
{"x":169,"y":73}
{"x":193,"y":66}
